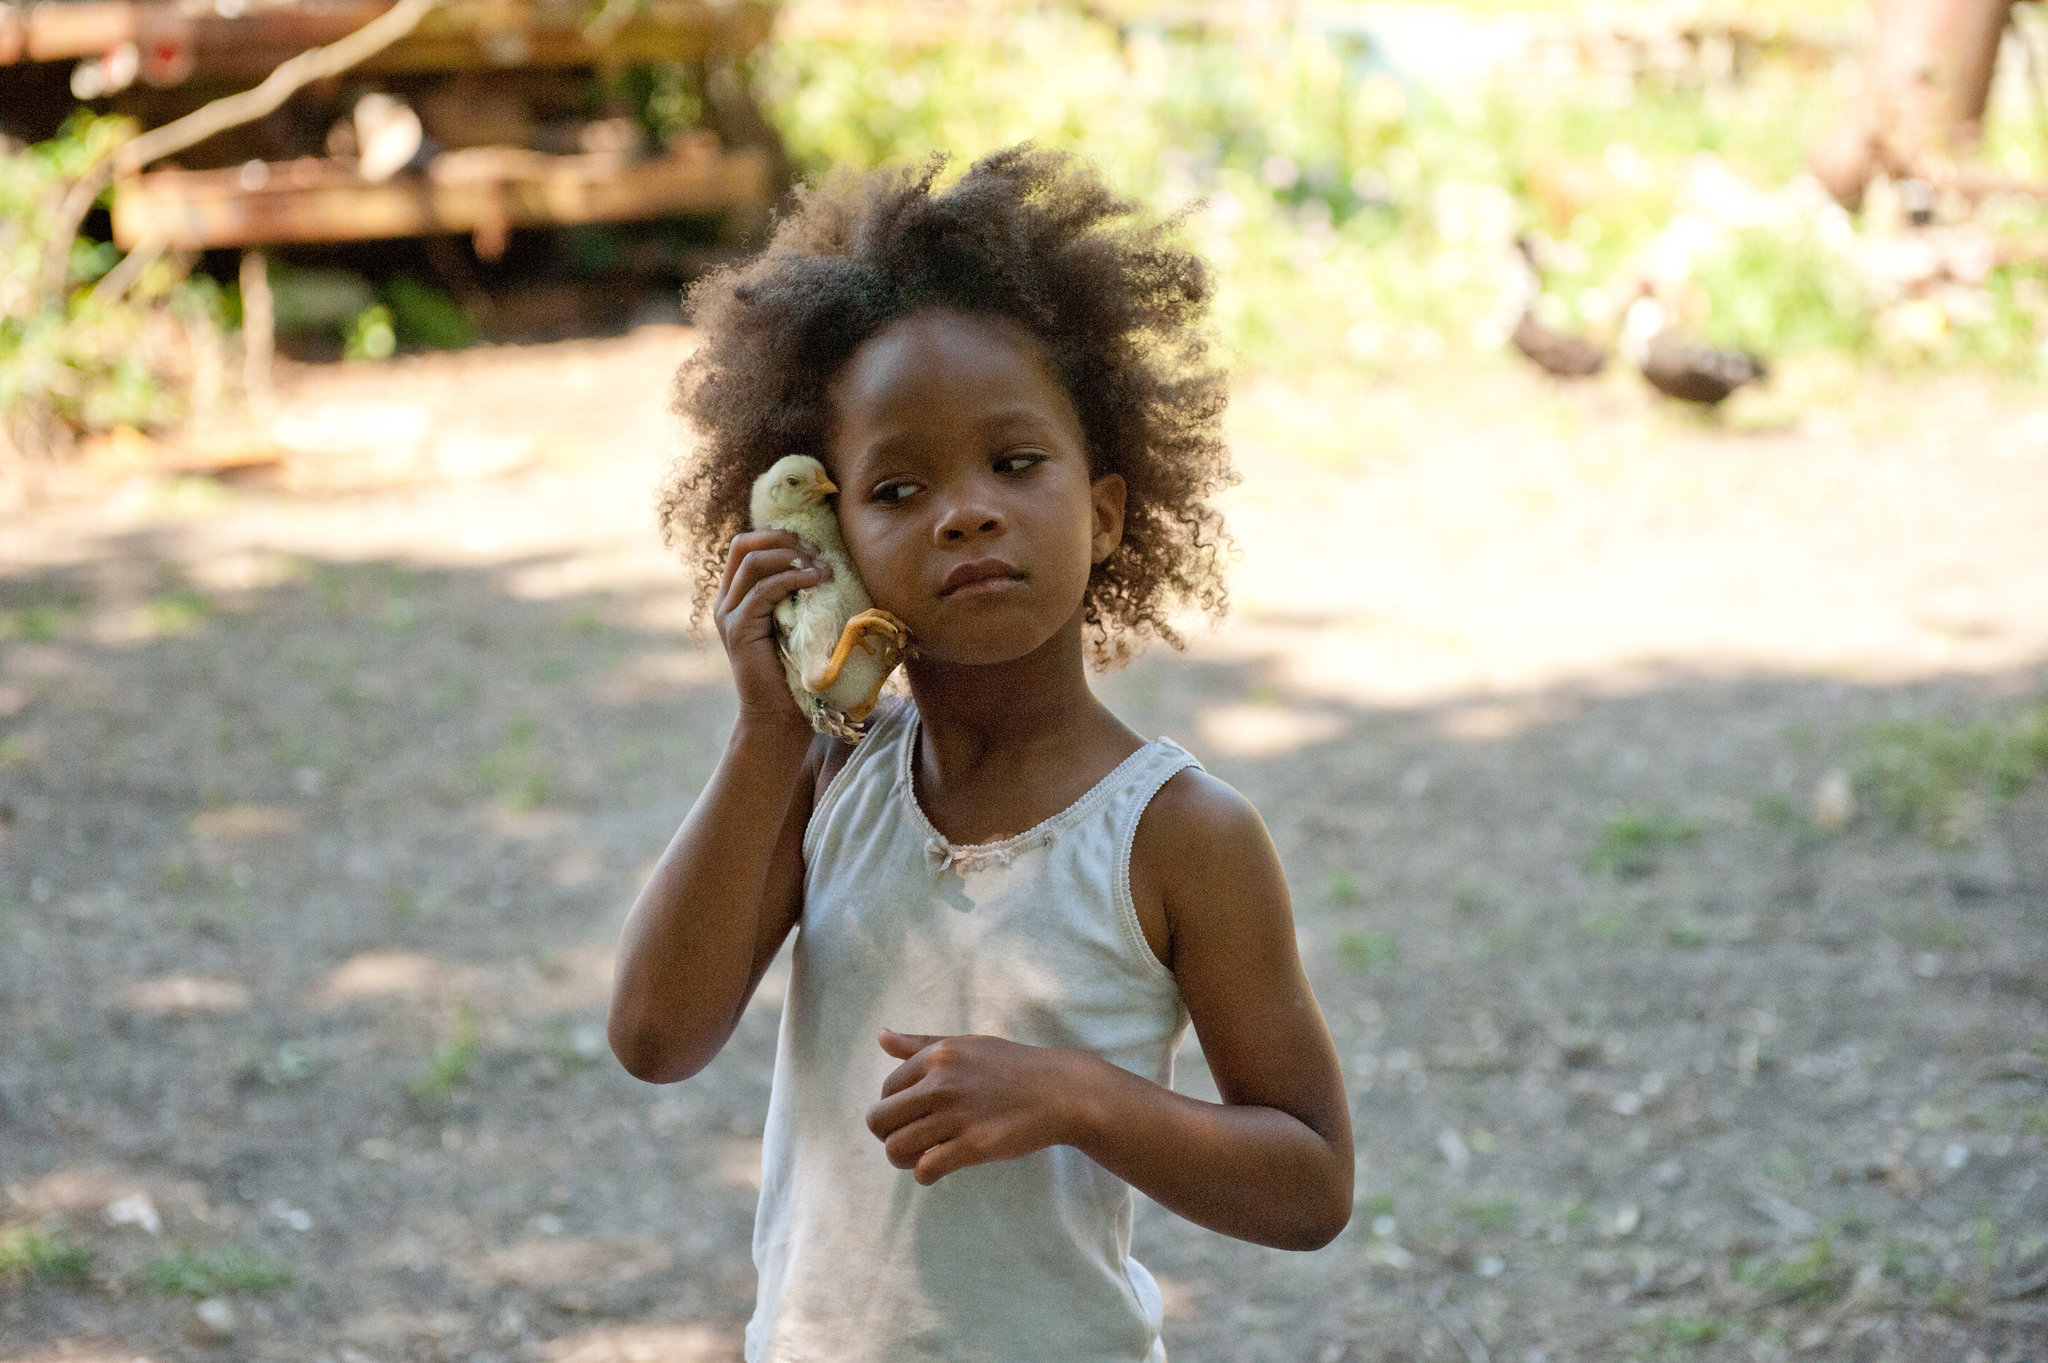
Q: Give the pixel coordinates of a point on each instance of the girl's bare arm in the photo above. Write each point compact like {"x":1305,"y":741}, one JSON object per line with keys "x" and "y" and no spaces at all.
{"x":1271,"y":1163}
{"x":730,"y":886}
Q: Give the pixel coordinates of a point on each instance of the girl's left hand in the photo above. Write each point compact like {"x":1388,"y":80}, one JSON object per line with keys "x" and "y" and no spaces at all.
{"x":956,"y":1101}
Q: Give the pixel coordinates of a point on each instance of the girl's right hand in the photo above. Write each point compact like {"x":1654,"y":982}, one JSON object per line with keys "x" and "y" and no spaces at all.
{"x":762,"y":567}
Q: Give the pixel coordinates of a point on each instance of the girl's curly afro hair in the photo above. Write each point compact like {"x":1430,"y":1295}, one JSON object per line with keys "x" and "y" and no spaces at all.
{"x":1028,"y":235}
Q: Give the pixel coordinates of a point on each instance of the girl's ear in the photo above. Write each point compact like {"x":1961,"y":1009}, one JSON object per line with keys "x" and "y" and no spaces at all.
{"x":1106,"y":494}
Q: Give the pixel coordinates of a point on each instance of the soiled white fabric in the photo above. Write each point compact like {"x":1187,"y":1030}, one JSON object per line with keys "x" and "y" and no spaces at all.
{"x":1034,"y":939}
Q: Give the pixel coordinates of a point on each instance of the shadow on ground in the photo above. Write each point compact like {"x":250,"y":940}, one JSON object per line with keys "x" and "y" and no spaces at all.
{"x":312,"y":873}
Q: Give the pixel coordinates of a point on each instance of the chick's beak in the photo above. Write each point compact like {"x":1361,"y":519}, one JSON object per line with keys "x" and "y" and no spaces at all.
{"x":823,"y":486}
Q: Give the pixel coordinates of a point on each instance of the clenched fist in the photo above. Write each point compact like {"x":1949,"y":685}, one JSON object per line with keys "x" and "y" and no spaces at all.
{"x":956,"y":1101}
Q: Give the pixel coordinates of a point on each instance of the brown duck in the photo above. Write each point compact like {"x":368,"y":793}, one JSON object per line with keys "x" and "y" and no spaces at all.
{"x":1555,"y":352}
{"x":1683,"y":369}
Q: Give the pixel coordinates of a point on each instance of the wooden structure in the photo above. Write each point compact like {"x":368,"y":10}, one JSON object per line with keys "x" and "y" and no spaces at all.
{"x":503,"y":88}
{"x":240,"y":43}
{"x":315,"y":200}
{"x":264,"y":102}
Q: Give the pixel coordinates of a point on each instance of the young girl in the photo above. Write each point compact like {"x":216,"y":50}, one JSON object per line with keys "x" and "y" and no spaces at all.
{"x":1010,"y":906}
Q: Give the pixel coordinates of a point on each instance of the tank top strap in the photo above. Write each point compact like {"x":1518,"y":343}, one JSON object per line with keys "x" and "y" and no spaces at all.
{"x":1147,"y":770}
{"x":876,"y":759}
{"x":1137,"y":781}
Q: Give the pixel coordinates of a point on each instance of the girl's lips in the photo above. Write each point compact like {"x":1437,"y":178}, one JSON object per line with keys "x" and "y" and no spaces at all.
{"x":983,"y":586}
{"x":979,"y":577}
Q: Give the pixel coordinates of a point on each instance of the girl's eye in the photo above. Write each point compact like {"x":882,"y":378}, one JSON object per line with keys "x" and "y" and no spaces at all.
{"x":1018,"y":463}
{"x":893,"y":492}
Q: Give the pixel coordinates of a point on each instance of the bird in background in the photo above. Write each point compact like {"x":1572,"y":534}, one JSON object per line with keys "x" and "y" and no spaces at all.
{"x":1556,"y":352}
{"x":837,"y":649}
{"x":1680,"y":368}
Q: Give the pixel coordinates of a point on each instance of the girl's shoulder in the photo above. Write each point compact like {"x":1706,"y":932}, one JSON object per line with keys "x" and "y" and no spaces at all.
{"x":1199,"y":854}
{"x":1195,"y":816}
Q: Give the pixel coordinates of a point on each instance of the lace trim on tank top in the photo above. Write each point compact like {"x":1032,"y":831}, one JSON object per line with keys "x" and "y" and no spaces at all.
{"x":979,"y":856}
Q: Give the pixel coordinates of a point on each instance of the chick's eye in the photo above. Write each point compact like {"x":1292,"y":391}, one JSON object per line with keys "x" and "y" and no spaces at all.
{"x":792,"y":481}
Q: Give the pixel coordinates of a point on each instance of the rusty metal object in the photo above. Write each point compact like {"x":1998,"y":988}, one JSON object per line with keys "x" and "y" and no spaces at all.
{"x":316,"y":200}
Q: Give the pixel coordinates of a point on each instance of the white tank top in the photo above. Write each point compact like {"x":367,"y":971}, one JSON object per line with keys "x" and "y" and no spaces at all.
{"x":1033,"y":938}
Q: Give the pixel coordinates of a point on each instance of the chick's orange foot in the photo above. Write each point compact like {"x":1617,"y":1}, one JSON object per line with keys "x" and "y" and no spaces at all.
{"x":876,"y":633}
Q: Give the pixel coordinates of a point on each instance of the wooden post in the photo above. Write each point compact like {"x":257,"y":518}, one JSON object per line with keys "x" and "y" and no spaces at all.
{"x":1973,"y":42}
{"x":259,"y":335}
{"x":1926,"y":78}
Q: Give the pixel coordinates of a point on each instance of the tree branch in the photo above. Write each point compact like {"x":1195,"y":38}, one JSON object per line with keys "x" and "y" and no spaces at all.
{"x":230,"y":111}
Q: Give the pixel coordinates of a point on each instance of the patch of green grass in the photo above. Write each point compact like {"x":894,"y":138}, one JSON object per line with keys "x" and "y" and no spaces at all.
{"x":552,"y":671}
{"x":1782,"y":1166}
{"x":1987,"y":1244}
{"x":514,"y":771}
{"x":179,"y":873}
{"x":453,"y":692}
{"x":1366,"y":950}
{"x":449,"y":1066}
{"x":35,"y":624}
{"x":1932,"y":777}
{"x":27,"y":1252}
{"x":179,"y":612}
{"x":1490,"y":943}
{"x":1686,"y":931}
{"x":1776,"y":810}
{"x":1632,"y":844}
{"x":1342,"y":889}
{"x":1607,"y":922}
{"x":1495,"y":1213}
{"x":329,"y":584}
{"x":1930,"y":932}
{"x":209,"y":1272}
{"x":1813,"y":1276}
{"x":1673,"y":1331}
{"x":1377,"y":1204}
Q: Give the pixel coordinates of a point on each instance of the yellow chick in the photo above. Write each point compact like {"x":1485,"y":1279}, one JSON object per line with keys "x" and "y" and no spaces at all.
{"x":837,"y":649}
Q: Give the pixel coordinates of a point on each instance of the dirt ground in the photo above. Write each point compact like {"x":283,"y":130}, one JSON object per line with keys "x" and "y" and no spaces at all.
{"x":1670,"y":1034}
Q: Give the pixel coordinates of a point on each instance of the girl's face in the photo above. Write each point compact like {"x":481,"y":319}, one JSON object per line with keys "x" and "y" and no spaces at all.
{"x":963,"y":486}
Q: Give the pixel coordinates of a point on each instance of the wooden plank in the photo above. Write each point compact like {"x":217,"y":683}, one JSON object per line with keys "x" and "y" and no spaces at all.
{"x":80,"y":28}
{"x":481,"y":35}
{"x":316,"y":200}
{"x":466,"y":35}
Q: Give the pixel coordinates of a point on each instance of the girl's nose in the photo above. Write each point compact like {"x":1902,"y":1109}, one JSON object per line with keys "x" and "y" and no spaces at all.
{"x":965,"y":518}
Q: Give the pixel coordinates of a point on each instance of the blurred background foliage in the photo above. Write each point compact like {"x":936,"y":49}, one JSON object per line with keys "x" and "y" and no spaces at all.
{"x":98,"y":356}
{"x":1357,"y":206}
